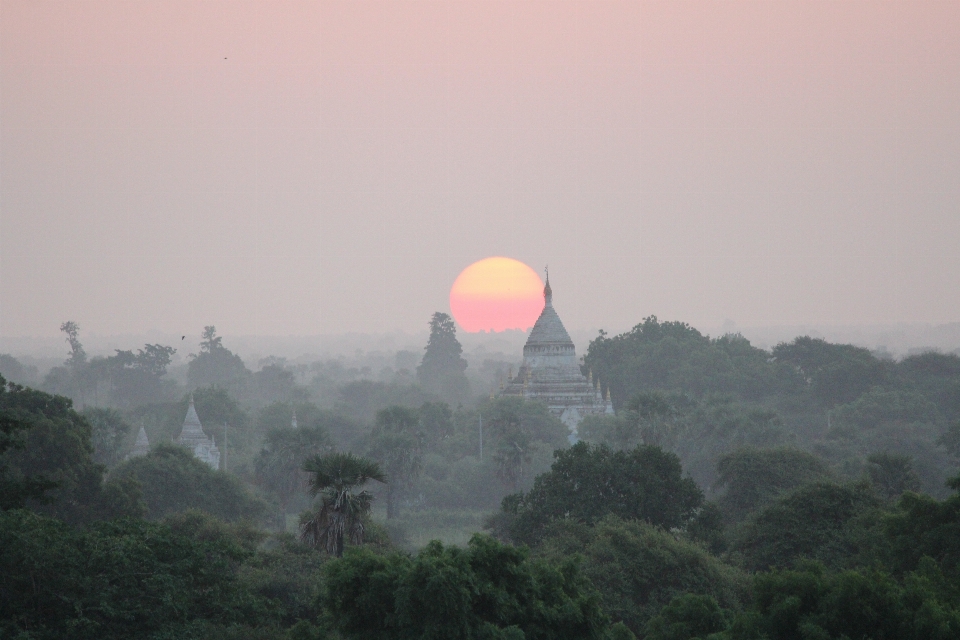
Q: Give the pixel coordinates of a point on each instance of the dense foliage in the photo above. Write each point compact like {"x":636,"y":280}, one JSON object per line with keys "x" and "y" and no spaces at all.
{"x":487,"y":590}
{"x":588,"y":482}
{"x":172,"y":480}
{"x":737,"y":493}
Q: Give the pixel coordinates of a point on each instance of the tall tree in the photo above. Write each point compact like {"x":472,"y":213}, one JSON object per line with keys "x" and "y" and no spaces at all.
{"x":396,"y":443}
{"x":338,"y":479}
{"x":216,"y":365}
{"x":442,"y":368}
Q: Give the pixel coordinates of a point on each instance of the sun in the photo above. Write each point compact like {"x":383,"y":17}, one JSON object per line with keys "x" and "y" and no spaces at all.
{"x":496,"y":294}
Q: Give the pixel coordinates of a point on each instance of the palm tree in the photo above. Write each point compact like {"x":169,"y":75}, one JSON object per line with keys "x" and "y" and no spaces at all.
{"x":335,"y":478}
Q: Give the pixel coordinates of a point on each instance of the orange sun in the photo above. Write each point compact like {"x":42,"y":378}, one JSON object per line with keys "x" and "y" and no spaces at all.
{"x":495,"y":294}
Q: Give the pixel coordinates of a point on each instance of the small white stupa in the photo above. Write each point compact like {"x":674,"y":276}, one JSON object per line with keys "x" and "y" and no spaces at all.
{"x":142,"y":446}
{"x":193,"y":437}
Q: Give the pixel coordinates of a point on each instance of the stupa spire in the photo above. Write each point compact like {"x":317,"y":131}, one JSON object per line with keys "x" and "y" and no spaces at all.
{"x":547,"y":291}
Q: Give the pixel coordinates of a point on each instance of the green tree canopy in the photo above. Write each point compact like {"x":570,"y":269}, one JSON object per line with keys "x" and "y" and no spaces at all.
{"x":834,"y":373}
{"x":892,"y":474}
{"x":639,"y":568}
{"x":48,"y":453}
{"x":117,"y":580}
{"x":487,"y":590}
{"x":812,"y":603}
{"x":817,"y":521}
{"x":173,"y":480}
{"x":750,"y":478}
{"x":673,"y":356}
{"x":589,"y":482}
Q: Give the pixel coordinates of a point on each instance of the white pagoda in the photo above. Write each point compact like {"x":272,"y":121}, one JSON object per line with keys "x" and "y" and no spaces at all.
{"x":193,"y":437}
{"x":142,"y":446}
{"x":550,"y":372}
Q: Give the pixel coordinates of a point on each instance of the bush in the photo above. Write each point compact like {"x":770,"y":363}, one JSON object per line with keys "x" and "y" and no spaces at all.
{"x":173,"y":480}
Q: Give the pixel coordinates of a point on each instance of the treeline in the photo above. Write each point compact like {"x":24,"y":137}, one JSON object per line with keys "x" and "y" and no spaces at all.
{"x":702,"y":397}
{"x":803,"y":492}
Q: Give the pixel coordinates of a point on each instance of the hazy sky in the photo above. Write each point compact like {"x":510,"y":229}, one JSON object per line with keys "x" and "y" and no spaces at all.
{"x":319,"y":167}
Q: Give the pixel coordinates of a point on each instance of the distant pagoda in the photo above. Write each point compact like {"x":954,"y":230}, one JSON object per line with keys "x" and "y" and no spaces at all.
{"x":550,"y":372}
{"x":142,"y":446}
{"x":193,"y":437}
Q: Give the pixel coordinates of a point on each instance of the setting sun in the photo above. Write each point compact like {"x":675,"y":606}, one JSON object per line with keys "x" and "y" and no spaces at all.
{"x":496,"y":294}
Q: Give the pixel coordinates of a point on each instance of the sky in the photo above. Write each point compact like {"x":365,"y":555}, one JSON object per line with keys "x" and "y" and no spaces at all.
{"x":303,"y":168}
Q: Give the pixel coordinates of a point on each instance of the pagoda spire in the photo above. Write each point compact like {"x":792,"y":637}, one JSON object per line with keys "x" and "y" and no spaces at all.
{"x":547,"y":291}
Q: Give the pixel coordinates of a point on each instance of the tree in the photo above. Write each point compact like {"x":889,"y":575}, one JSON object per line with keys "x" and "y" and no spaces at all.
{"x":109,"y":434}
{"x":813,"y":603}
{"x":121,"y":579}
{"x":639,"y":568}
{"x":588,"y":482}
{"x":77,"y":355}
{"x":16,"y":489}
{"x":687,"y":616}
{"x":515,"y":430}
{"x":436,"y":423}
{"x":891,"y":474}
{"x":750,"y":478}
{"x":923,"y":526}
{"x":215,"y":364}
{"x":279,"y":466}
{"x":48,"y":458}
{"x":834,"y":373}
{"x":817,"y":521}
{"x":675,"y":357}
{"x":342,"y":509}
{"x":137,"y":378}
{"x":442,"y":368}
{"x":486,"y":590}
{"x":173,"y":480}
{"x":397,"y":444}
{"x":15,"y":371}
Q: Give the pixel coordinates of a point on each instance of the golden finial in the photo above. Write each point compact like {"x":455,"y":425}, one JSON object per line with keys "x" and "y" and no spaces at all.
{"x":608,"y":394}
{"x":590,"y":377}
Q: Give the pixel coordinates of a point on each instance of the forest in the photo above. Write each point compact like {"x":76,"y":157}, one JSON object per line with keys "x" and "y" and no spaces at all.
{"x":810,"y":491}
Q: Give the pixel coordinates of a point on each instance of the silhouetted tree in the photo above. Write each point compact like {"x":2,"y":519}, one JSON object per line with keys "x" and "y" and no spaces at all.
{"x":442,"y":368}
{"x":337,"y":477}
{"x":216,"y":365}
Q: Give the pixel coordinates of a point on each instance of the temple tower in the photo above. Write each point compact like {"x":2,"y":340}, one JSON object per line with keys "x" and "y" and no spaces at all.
{"x":142,"y":446}
{"x":193,"y":437}
{"x":550,"y":372}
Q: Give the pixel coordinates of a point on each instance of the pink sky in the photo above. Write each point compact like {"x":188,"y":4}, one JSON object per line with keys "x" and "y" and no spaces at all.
{"x":321,"y":167}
